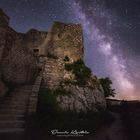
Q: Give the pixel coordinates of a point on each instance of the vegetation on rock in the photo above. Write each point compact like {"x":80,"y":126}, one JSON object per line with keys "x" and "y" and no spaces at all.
{"x":47,"y":101}
{"x":81,"y":72}
{"x":61,"y":91}
{"x":47,"y":98}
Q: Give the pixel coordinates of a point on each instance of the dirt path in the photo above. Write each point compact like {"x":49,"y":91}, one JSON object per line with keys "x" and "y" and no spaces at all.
{"x":113,"y":132}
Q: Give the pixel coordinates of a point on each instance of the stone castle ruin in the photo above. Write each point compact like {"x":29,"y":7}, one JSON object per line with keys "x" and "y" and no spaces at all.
{"x":23,"y":55}
{"x":63,"y":41}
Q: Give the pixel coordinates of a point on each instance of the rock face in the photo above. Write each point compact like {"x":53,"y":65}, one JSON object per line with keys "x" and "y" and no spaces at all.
{"x":83,"y":99}
{"x":21,"y":70}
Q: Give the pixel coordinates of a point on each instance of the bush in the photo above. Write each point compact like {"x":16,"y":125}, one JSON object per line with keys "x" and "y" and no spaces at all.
{"x":81,"y":72}
{"x":47,"y":101}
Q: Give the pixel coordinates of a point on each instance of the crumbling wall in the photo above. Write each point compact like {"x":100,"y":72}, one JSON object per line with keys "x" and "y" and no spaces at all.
{"x":35,"y":41}
{"x":19,"y":66}
{"x":66,"y":40}
{"x":65,"y":45}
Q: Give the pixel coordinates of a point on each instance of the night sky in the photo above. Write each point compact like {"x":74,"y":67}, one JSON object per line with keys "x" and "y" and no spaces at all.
{"x":111,"y":34}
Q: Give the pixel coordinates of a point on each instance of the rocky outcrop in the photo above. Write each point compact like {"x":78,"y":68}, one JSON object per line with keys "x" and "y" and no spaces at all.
{"x":82,"y":99}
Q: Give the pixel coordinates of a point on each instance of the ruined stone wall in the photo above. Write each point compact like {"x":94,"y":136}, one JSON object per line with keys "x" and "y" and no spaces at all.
{"x":66,"y":40}
{"x":36,"y":40}
{"x":7,"y":40}
{"x":17,"y":64}
{"x":4,"y":19}
{"x":19,"y":67}
{"x":53,"y":72}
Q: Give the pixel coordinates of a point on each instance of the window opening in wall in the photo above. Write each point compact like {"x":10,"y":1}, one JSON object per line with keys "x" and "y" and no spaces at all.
{"x":66,"y":59}
{"x":36,"y":51}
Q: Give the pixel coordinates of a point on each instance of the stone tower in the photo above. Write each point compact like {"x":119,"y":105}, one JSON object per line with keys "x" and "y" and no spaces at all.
{"x":64,"y":45}
{"x":66,"y":40}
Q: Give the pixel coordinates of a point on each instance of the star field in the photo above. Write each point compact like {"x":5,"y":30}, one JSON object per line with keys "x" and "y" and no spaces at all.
{"x":111,"y":34}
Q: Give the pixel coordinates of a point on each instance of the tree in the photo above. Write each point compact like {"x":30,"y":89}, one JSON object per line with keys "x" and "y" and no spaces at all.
{"x":106,"y":84}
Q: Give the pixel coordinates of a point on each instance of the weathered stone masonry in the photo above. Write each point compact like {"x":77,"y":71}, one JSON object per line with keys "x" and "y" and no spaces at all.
{"x":23,"y":55}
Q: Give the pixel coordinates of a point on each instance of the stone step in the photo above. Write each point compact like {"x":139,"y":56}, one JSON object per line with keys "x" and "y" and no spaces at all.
{"x":18,"y":91}
{"x":12,"y":124}
{"x":37,"y":83}
{"x":17,"y":97}
{"x":13,"y":108}
{"x":12,"y":130}
{"x":35,"y":89}
{"x":17,"y":112}
{"x":19,"y":94}
{"x":13,"y":101}
{"x":18,"y":106}
{"x":22,"y":95}
{"x":11,"y":117}
{"x":25,"y":87}
{"x":13,"y":105}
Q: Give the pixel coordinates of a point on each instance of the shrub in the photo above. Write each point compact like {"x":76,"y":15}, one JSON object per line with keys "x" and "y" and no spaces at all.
{"x":81,"y":72}
{"x":47,"y":98}
{"x":47,"y":101}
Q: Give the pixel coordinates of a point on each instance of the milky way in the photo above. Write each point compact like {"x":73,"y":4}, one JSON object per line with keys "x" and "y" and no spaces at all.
{"x":104,"y":45}
{"x":111,"y":34}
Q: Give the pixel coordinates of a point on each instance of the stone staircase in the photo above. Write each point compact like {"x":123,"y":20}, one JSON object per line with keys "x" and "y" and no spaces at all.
{"x":13,"y":110}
